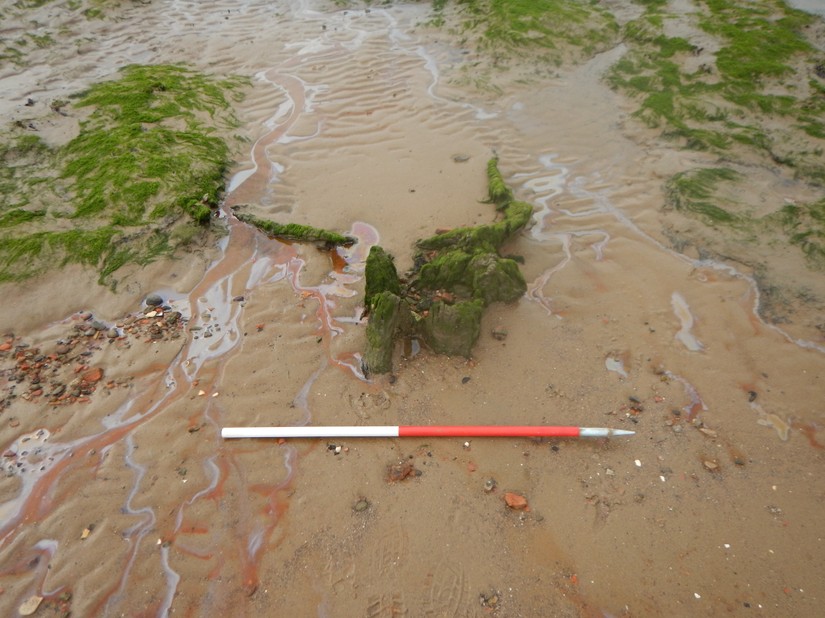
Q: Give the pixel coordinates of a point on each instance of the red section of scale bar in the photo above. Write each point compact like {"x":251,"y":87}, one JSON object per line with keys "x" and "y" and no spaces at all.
{"x":479,"y":431}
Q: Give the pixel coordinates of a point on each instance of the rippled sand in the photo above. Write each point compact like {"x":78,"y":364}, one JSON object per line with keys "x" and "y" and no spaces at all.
{"x":353,"y":125}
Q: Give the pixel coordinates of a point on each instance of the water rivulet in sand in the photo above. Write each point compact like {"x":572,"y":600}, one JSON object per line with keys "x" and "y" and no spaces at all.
{"x":128,"y":502}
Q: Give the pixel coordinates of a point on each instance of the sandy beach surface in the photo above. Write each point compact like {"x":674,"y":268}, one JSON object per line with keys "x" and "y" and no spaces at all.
{"x":120,"y":498}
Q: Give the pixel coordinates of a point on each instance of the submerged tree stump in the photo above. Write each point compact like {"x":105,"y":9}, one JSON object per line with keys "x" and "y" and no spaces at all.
{"x":457,"y":274}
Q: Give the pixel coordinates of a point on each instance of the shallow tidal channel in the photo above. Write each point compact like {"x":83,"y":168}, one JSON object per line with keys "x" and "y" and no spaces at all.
{"x":130,"y":503}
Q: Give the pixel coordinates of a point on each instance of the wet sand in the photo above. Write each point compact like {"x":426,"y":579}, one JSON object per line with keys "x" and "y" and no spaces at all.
{"x":353,"y":123}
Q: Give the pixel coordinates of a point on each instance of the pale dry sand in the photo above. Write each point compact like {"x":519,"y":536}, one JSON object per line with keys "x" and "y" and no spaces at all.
{"x":353,"y":123}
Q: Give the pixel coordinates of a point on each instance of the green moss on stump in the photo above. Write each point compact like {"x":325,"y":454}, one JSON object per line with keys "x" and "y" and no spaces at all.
{"x":458,"y":274}
{"x":453,"y":329}
{"x":496,"y":279}
{"x":380,"y":275}
{"x":385,"y":310}
{"x":296,"y":232}
{"x":499,"y":192}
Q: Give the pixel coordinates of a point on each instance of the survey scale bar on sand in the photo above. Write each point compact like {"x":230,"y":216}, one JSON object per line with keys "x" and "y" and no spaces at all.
{"x":424,"y":431}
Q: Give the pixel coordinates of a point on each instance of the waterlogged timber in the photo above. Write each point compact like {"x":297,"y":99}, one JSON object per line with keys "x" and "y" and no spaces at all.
{"x":295,"y":232}
{"x":356,"y":120}
{"x":457,"y":273}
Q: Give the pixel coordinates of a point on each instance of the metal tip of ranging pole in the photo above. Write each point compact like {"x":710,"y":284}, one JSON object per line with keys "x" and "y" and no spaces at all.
{"x":424,"y":431}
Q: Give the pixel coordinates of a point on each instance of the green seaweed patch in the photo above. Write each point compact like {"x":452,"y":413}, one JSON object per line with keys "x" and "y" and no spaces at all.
{"x":18,"y":216}
{"x":555,"y":29}
{"x":296,"y":232}
{"x":148,"y":157}
{"x":762,"y":46}
{"x":805,"y":226}
{"x":25,"y":164}
{"x":33,"y":253}
{"x":693,"y":191}
{"x":146,"y":151}
{"x":456,"y":275}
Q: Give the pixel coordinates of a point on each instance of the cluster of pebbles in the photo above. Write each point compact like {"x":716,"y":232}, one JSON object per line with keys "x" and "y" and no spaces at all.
{"x":65,"y":372}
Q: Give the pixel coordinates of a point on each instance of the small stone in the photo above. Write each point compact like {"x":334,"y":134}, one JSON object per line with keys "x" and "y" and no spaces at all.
{"x":400,"y":471}
{"x":238,"y":299}
{"x":710,"y":465}
{"x":153,"y":300}
{"x":489,"y":485}
{"x":99,"y":325}
{"x":112,"y":333}
{"x":63,"y":348}
{"x":30,"y":605}
{"x":708,"y":432}
{"x":93,"y":375}
{"x":677,"y":429}
{"x":515,"y":501}
{"x":361,"y":506}
{"x":499,"y":334}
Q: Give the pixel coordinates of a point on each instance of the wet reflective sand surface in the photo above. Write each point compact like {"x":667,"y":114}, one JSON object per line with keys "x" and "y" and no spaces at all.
{"x":133,"y":503}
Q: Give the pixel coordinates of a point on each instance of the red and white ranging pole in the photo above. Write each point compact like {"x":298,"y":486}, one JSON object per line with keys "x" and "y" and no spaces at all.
{"x":424,"y":431}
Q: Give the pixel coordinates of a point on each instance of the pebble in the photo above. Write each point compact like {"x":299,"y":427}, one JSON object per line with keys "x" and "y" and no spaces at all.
{"x":30,"y":605}
{"x":489,"y":485}
{"x":400,"y":471}
{"x":63,"y":348}
{"x":112,"y":334}
{"x":153,"y":300}
{"x":515,"y":501}
{"x":361,"y":505}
